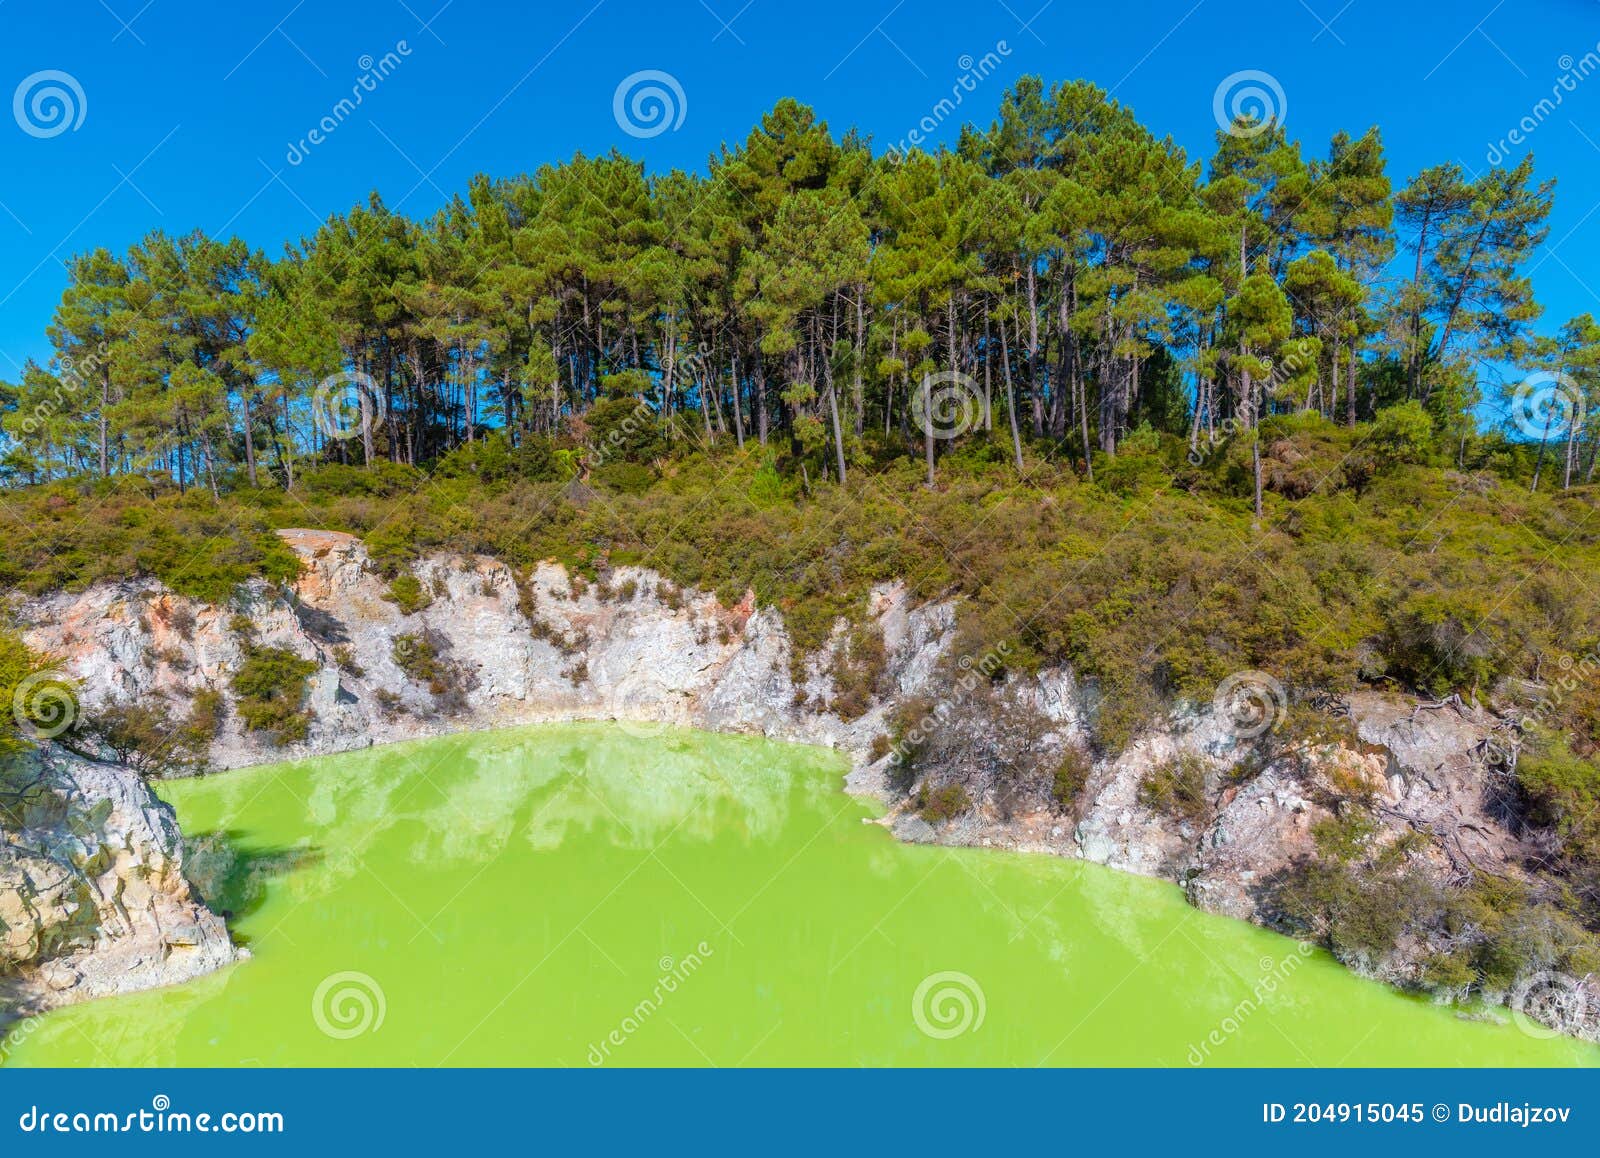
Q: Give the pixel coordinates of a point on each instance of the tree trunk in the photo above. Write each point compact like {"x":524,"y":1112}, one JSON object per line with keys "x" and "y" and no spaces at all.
{"x":249,"y":438}
{"x":1011,"y":398}
{"x":1033,"y":354}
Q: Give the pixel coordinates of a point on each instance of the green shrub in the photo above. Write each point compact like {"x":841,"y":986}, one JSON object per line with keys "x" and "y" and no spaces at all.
{"x":858,"y":669}
{"x":145,"y":737}
{"x":1177,"y":788}
{"x":422,"y":658}
{"x":270,"y":691}
{"x":38,"y":700}
{"x":1403,"y":433}
{"x":936,"y":805}
{"x":1344,"y":838}
{"x":407,"y":593}
{"x":416,"y":656}
{"x":345,"y":657}
{"x":1071,"y":777}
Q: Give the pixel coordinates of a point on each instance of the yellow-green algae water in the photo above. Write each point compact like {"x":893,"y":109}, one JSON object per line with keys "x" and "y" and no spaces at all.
{"x":584,"y":895}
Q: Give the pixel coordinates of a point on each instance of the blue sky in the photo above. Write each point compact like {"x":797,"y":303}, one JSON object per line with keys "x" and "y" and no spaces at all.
{"x":189,"y":110}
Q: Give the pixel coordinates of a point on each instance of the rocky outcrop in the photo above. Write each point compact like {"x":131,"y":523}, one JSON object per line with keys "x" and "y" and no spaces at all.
{"x":509,"y":649}
{"x":546,"y":649}
{"x":93,"y":897}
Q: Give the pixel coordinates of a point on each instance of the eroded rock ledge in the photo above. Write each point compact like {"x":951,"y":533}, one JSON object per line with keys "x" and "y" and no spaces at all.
{"x":93,"y":897}
{"x":552,"y":647}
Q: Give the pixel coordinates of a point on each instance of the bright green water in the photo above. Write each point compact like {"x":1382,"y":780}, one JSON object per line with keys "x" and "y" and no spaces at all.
{"x":518,"y":897}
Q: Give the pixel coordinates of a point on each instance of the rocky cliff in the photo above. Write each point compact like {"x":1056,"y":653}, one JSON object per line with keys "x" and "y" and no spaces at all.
{"x":93,"y":897}
{"x":502,"y":649}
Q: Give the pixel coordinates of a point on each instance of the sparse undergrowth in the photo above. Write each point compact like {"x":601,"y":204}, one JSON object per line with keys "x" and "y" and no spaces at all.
{"x":270,"y":690}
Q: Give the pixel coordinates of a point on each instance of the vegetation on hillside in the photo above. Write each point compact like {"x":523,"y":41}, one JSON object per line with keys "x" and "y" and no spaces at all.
{"x":1158,"y":419}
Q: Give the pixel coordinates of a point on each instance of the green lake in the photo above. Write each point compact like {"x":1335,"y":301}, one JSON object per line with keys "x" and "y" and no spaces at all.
{"x":587,"y":894}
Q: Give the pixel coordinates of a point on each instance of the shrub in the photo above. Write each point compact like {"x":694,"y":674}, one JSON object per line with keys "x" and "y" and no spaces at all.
{"x":407,"y":593}
{"x":422,"y":658}
{"x":1071,"y":777}
{"x":345,"y":657}
{"x":46,"y":703}
{"x":1345,"y":838}
{"x":857,"y":670}
{"x":1403,"y":433}
{"x":936,"y":805}
{"x":144,"y":736}
{"x":206,"y":713}
{"x":270,"y":687}
{"x":1177,"y":788}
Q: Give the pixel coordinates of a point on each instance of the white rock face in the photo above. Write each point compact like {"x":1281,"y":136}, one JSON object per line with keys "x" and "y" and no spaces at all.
{"x":639,"y":650}
{"x":93,"y":899}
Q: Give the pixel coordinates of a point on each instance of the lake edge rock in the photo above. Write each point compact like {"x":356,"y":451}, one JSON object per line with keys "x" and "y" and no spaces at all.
{"x":550,"y":648}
